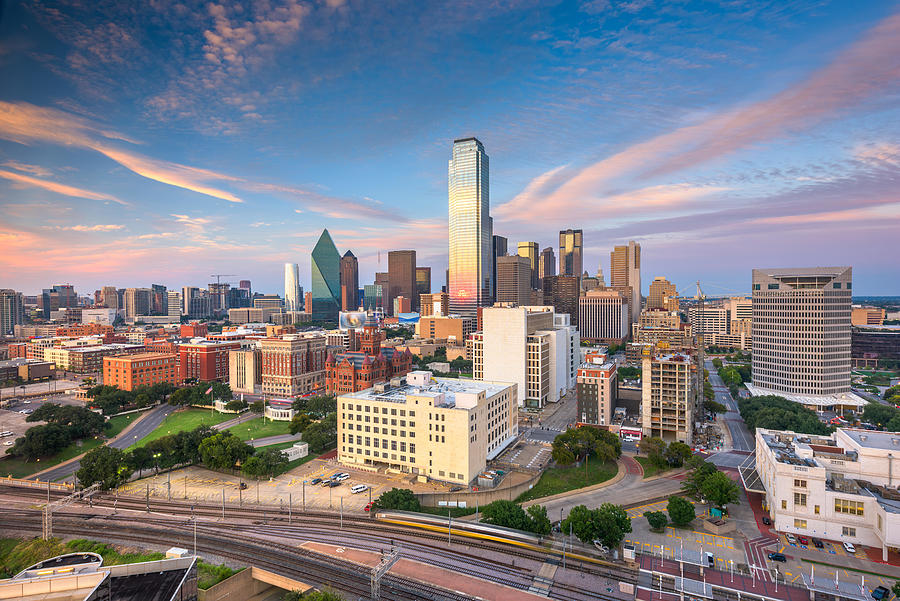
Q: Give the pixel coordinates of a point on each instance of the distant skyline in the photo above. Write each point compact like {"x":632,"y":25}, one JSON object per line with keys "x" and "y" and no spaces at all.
{"x":151,"y":143}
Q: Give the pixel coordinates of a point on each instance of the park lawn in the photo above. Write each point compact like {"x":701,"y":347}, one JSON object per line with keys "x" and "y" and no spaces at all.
{"x":260,"y":428}
{"x":650,"y":469}
{"x":565,"y":478}
{"x":186,"y":419}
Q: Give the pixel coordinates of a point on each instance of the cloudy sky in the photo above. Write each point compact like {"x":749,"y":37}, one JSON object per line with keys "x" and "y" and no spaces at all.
{"x":160,"y":142}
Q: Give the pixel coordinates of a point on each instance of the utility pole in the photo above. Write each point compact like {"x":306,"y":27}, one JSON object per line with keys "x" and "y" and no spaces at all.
{"x":148,"y":497}
{"x":387,"y":560}
{"x":223,"y":503}
{"x":290,"y":508}
{"x":449,"y":525}
{"x":342,"y":513}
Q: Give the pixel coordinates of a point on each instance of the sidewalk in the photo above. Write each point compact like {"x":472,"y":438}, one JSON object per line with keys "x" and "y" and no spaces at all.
{"x":241,"y":418}
{"x":620,"y":474}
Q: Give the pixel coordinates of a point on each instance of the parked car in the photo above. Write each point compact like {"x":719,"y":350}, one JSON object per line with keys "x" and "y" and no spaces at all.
{"x":849,"y":548}
{"x":315,"y":481}
{"x":777,"y":557}
{"x":791,"y":538}
{"x":369,"y":505}
{"x":766,"y":520}
{"x":342,"y":477}
{"x":334,"y":483}
{"x":243,"y":486}
{"x":880,"y":593}
{"x":803,"y":540}
{"x":8,"y":443}
{"x":327,"y":482}
{"x":818,"y":543}
{"x":359,"y":488}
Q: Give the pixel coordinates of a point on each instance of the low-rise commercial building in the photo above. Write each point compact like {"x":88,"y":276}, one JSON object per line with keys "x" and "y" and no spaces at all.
{"x":867,"y":316}
{"x":245,"y":370}
{"x":128,"y":372}
{"x":841,"y":487}
{"x":870,"y":346}
{"x":25,"y":369}
{"x":434,"y":303}
{"x":450,"y":328}
{"x":441,"y":428}
{"x":87,"y":359}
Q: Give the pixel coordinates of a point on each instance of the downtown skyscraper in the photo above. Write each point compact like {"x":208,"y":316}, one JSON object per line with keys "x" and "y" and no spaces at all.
{"x":471,"y":237}
{"x":571,"y":247}
{"x":325,"y":263}
{"x":293,"y":293}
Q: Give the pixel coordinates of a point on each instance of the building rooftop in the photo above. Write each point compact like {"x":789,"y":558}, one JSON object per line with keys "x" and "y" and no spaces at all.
{"x":443,"y":390}
{"x":825,"y":400}
{"x":873,"y":439}
{"x":101,"y":347}
{"x":143,"y":356}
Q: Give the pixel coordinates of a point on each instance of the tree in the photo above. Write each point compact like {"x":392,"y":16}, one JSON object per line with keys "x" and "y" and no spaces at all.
{"x":657,"y":520}
{"x":714,"y":406}
{"x":235,"y":405}
{"x":182,"y":396}
{"x":655,"y":449}
{"x":264,"y":463}
{"x":717,"y":363}
{"x":540,"y":523}
{"x":80,"y":421}
{"x":778,"y":413}
{"x":140,"y":458}
{"x":878,"y":414}
{"x":896,"y":589}
{"x":892,"y":391}
{"x":105,"y":465}
{"x":223,"y":451}
{"x":257,"y":407}
{"x":505,"y":513}
{"x":322,"y":435}
{"x":720,"y":490}
{"x":677,"y":453}
{"x":398,"y":498}
{"x":629,"y":373}
{"x":300,"y":422}
{"x":326,"y":594}
{"x":41,"y":441}
{"x":318,"y":406}
{"x":681,"y":511}
{"x":608,"y":523}
{"x":583,"y":442}
{"x":700,"y":471}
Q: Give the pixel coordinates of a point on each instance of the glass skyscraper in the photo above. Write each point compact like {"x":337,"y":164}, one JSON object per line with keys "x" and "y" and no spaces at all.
{"x":293,"y":293}
{"x":571,"y":246}
{"x":326,"y":279}
{"x":471,"y":236}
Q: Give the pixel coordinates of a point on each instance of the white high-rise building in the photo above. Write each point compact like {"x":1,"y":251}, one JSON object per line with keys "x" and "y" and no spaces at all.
{"x":470,"y":232}
{"x":801,"y":335}
{"x":188,"y":293}
{"x":174,"y":304}
{"x":293,"y":294}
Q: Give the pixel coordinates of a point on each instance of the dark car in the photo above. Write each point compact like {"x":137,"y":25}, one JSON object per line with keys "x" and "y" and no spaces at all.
{"x":243,"y":486}
{"x":766,"y":520}
{"x":880,"y":593}
{"x":315,"y":481}
{"x":818,"y":543}
{"x":777,"y":557}
{"x":335,"y":483}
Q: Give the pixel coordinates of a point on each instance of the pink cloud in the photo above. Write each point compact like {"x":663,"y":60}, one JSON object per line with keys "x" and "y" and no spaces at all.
{"x":56,"y":187}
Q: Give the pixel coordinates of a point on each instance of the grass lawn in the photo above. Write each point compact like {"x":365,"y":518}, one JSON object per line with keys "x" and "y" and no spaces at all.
{"x":258,"y":428}
{"x":186,"y":419}
{"x":650,"y":469}
{"x":18,"y":554}
{"x":561,"y":479}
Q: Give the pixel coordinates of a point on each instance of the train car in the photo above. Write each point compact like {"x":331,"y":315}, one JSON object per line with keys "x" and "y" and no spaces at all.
{"x":478,"y":530}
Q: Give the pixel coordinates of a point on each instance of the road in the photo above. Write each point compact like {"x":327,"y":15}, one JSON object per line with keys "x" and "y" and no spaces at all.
{"x":741,"y":439}
{"x":144,"y":427}
{"x":279,"y":438}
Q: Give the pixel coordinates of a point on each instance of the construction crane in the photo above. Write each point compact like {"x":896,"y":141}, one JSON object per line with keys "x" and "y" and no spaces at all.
{"x":219,"y":277}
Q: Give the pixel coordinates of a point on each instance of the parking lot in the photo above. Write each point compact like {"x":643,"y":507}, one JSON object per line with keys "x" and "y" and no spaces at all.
{"x":12,"y":417}
{"x":528,"y":454}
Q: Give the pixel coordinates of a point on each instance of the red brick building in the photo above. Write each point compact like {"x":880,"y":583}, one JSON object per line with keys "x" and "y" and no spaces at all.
{"x":293,"y":364}
{"x":143,"y":369}
{"x":17,"y":350}
{"x":205,"y":361}
{"x":84,"y":329}
{"x":194,"y":329}
{"x":355,"y":371}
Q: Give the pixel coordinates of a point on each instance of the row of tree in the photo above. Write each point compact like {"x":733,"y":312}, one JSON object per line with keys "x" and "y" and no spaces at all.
{"x":111,"y":400}
{"x":705,"y":482}
{"x":777,"y":413}
{"x":65,"y":424}
{"x":662,"y":454}
{"x":886,"y":417}
{"x":681,"y":512}
{"x":581,"y":443}
{"x":316,"y":419}
{"x":197,"y":395}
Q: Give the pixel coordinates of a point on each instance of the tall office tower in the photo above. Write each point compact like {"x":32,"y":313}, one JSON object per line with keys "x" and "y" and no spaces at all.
{"x":60,"y":296}
{"x":110,"y":297}
{"x":245,"y":285}
{"x":603,"y":316}
{"x":137,"y":301}
{"x":173,"y":304}
{"x":662,"y":295}
{"x":218,"y":296}
{"x":188,"y":293}
{"x":530,"y":251}
{"x":12,"y":311}
{"x":402,"y":276}
{"x":625,"y":271}
{"x":349,"y":282}
{"x":571,"y":247}
{"x":470,"y":232}
{"x":499,"y":245}
{"x":546,"y":265}
{"x":293,"y":293}
{"x":373,"y":298}
{"x":514,"y":280}
{"x":561,"y":292}
{"x":158,"y":300}
{"x":801,"y":335}
{"x":326,"y":279}
{"x":423,"y":281}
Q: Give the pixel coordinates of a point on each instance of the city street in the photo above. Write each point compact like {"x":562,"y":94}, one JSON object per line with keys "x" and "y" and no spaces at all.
{"x":742,"y":440}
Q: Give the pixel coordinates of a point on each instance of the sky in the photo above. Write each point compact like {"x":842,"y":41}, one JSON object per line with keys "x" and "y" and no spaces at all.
{"x":161,"y":142}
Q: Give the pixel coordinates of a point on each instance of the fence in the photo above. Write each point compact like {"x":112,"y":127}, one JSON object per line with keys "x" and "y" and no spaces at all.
{"x":9,"y":481}
{"x":481,"y":497}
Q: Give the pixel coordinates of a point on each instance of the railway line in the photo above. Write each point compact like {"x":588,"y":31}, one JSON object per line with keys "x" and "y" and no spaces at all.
{"x":271,"y":527}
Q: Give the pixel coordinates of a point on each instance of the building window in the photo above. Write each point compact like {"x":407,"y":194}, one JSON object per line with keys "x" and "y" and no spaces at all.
{"x":784,"y":503}
{"x":816,"y":510}
{"x":799,"y":483}
{"x":800,"y":524}
{"x":849,"y":507}
{"x":800,"y":499}
{"x":848,"y":531}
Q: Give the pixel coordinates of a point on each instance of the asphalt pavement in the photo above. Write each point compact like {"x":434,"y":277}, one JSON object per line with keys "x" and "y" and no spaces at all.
{"x":742,"y":440}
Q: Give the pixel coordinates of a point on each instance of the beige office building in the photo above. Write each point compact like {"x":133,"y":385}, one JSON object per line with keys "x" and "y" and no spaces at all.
{"x":514,"y":278}
{"x":434,"y":303}
{"x":441,"y":428}
{"x":452,"y":329}
{"x":603,"y":316}
{"x":867,"y":316}
{"x":245,"y":371}
{"x":625,"y":272}
{"x":663,"y":295}
{"x":669,"y":396}
{"x":293,"y":364}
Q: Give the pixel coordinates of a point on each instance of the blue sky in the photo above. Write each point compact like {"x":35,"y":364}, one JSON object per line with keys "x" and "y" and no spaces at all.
{"x":159,"y":142}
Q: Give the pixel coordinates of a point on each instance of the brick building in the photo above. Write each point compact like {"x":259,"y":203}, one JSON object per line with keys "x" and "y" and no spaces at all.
{"x":355,"y":371}
{"x":143,"y":369}
{"x":293,"y":364}
{"x":205,"y":360}
{"x":84,"y":329}
{"x":193,"y":330}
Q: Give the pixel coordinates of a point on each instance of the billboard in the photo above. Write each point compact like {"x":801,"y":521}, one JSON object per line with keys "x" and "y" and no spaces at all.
{"x":351,"y":319}
{"x":408,"y":318}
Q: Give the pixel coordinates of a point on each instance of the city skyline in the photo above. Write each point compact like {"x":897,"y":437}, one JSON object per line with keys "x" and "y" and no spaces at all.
{"x":594,"y":118}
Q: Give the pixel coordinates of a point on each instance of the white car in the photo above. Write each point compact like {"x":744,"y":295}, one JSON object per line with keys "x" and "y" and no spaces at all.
{"x":849,"y":548}
{"x":8,"y":443}
{"x":342,"y":477}
{"x":359,"y":488}
{"x":791,"y":538}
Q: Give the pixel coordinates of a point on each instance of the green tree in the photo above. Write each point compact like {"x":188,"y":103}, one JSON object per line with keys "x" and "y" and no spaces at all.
{"x":105,"y":465}
{"x":714,"y":406}
{"x":505,"y":513}
{"x":717,"y":363}
{"x":235,"y":405}
{"x":41,"y":441}
{"x":892,"y":391}
{"x":700,"y":471}
{"x":182,"y":396}
{"x":720,"y":490}
{"x":257,"y":407}
{"x":681,"y":511}
{"x":896,"y":589}
{"x":657,"y":520}
{"x":677,"y":453}
{"x":629,"y":373}
{"x":655,"y":449}
{"x":778,"y":413}
{"x":322,"y":435}
{"x":608,"y":523}
{"x":583,"y":442}
{"x":223,"y":451}
{"x":140,"y":459}
{"x":540,"y":522}
{"x":300,"y":422}
{"x":878,"y":414}
{"x":318,"y":406}
{"x":80,"y":421}
{"x":264,"y":463}
{"x":398,"y":498}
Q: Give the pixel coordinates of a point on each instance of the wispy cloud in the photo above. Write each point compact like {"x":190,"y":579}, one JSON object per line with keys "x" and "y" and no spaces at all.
{"x":26,"y":180}
{"x":35,"y":170}
{"x":102,"y":227}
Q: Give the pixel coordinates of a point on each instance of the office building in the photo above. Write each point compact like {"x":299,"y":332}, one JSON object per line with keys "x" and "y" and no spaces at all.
{"x":423,"y":281}
{"x":188,"y":293}
{"x":326,"y":279}
{"x":625,"y":273}
{"x":437,"y":303}
{"x":546,"y":265}
{"x":533,"y":347}
{"x":158,"y":300}
{"x":596,"y":392}
{"x":662,"y":295}
{"x":102,"y":316}
{"x":60,"y":296}
{"x":218,"y":296}
{"x":12,"y":311}
{"x":373,"y":298}
{"x":128,"y":372}
{"x":571,"y":248}
{"x":867,"y":316}
{"x":841,"y":487}
{"x":110,"y":297}
{"x":205,"y":360}
{"x":293,"y":292}
{"x":194,"y":329}
{"x":530,"y":251}
{"x":875,"y":346}
{"x":245,"y":370}
{"x":402,"y":277}
{"x":499,"y":247}
{"x":402,"y":305}
{"x":173,"y":305}
{"x":245,"y":285}
{"x":561,"y":292}
{"x":801,"y":335}
{"x":514,"y":278}
{"x":349,"y":282}
{"x":657,"y":326}
{"x":449,"y":328}
{"x":707,"y":321}
{"x":603,"y":316}
{"x":739,"y":308}
{"x":669,"y":395}
{"x":440,"y":428}
{"x":137,"y":302}
{"x":470,"y":231}
{"x":293,"y":364}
